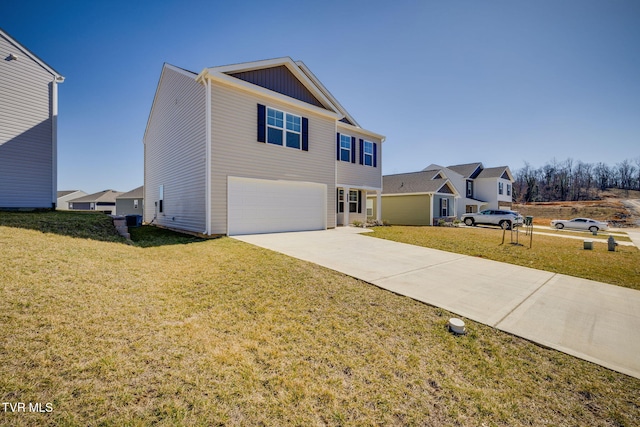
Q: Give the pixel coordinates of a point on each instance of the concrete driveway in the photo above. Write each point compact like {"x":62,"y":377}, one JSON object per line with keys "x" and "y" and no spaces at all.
{"x":590,"y":320}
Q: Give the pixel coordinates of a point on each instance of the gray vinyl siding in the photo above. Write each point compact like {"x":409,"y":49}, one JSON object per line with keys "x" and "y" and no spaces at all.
{"x":175,"y":153}
{"x":355,"y":174}
{"x":26,"y":150}
{"x":127,"y":207}
{"x":236,"y":151}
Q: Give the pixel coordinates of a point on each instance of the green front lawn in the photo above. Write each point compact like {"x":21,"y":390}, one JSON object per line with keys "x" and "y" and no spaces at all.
{"x":219,"y":332}
{"x":556,"y":254}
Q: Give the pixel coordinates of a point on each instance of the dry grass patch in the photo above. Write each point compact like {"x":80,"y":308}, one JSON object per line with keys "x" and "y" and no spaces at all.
{"x":223,"y":333}
{"x":611,"y":210}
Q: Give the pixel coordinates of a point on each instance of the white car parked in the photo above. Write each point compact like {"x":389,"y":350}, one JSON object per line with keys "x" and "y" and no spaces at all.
{"x":580,"y":224}
{"x":501,"y":217}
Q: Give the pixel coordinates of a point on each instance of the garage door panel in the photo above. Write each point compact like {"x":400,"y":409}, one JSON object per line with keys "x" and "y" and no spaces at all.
{"x":268,"y":206}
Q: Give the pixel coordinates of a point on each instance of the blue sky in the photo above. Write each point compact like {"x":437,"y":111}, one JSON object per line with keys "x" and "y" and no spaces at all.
{"x":447,"y":82}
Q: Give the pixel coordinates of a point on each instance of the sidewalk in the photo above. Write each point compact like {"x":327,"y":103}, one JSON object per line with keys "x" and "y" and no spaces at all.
{"x":590,"y":320}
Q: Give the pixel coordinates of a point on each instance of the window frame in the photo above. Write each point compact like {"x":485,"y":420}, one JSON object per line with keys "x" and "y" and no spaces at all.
{"x":444,"y":207}
{"x":366,"y":155}
{"x":348,"y":140}
{"x":353,"y":204}
{"x":508,"y":189}
{"x":500,"y":188}
{"x":340,"y":200}
{"x":285,"y":126}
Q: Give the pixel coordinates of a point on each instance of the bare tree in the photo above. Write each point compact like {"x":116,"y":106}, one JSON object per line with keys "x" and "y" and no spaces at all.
{"x":625,"y":171}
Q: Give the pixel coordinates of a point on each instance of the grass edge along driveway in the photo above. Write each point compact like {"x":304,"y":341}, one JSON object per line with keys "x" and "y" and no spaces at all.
{"x":554,"y":254}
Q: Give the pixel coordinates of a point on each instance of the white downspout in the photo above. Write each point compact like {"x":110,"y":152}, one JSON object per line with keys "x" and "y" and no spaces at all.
{"x":208,"y":159}
{"x":54,"y":142}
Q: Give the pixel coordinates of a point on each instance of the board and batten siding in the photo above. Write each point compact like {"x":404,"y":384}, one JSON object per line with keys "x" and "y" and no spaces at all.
{"x":175,"y":152}
{"x":237,"y":152}
{"x":355,"y":174}
{"x":26,"y":131}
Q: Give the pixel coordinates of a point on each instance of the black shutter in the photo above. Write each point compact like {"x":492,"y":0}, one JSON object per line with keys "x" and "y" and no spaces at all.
{"x":305,"y":134}
{"x":353,"y":149}
{"x":359,"y":201}
{"x":361,"y":152}
{"x":262,"y":123}
{"x":338,"y":146}
{"x":440,"y":212}
{"x":375,"y":155}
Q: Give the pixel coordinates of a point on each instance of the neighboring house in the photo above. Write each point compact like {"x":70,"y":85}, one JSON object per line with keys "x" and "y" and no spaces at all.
{"x":479,"y":187}
{"x":417,"y":198}
{"x":254,"y":148}
{"x":65,"y":196}
{"x":28,"y":128}
{"x":104,"y":201}
{"x":131,"y":203}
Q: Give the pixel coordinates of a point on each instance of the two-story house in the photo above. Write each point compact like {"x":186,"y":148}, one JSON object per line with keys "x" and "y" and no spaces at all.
{"x":28,"y":128}
{"x":254,"y":148}
{"x":479,"y":187}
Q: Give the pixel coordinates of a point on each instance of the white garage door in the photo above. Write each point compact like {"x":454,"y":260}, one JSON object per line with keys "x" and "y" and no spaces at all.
{"x":266,"y":206}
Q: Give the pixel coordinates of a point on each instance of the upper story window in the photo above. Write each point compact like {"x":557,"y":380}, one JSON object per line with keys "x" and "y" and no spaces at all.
{"x":469,"y":188}
{"x":283,"y":128}
{"x":500,"y":188}
{"x":508,"y":189}
{"x":345,"y":148}
{"x":368,"y":153}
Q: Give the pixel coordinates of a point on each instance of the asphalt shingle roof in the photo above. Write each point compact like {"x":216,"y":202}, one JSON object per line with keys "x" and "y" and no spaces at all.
{"x":108,"y":196}
{"x":136,"y":193}
{"x":413,"y":182}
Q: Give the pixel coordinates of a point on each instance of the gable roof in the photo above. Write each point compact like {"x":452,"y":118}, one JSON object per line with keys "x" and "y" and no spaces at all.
{"x":136,"y":193}
{"x":497,"y":172}
{"x":416,"y":182}
{"x":468,"y":170}
{"x":23,"y":50}
{"x":254,"y":75}
{"x":63,"y":193}
{"x":107,"y":196}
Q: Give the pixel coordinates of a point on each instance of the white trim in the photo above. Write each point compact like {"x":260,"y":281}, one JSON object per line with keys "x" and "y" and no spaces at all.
{"x":351,"y":147}
{"x":431,"y":193}
{"x":54,"y":142}
{"x":57,"y":77}
{"x":320,"y":86}
{"x":360,"y":187}
{"x":284,"y":128}
{"x":291,"y":66}
{"x":364,"y":132}
{"x":165,"y":66}
{"x":365,"y":154}
{"x":207,"y":184}
{"x":250,"y":87}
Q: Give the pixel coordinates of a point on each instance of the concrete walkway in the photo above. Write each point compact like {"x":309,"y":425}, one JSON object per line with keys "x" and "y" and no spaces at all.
{"x":590,"y":320}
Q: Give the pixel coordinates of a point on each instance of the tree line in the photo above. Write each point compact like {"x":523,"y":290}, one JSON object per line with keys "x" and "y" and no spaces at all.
{"x":573,"y":180}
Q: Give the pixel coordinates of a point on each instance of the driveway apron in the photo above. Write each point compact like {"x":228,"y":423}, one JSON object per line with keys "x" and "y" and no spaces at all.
{"x":591,"y":320}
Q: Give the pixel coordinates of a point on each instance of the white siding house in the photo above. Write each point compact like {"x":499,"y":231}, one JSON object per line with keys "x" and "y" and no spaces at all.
{"x":479,"y":187}
{"x":65,"y":196}
{"x":28,"y":128}
{"x":254,"y":148}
